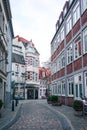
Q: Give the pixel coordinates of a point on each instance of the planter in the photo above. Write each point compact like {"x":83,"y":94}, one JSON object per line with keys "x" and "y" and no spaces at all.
{"x":78,"y":105}
{"x":78,"y":113}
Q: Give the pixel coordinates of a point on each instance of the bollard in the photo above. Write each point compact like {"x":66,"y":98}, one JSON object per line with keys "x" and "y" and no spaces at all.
{"x":12,"y":105}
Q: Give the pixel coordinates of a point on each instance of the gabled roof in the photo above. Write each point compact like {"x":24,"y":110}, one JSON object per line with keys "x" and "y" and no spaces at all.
{"x":21,"y":39}
{"x":18,"y":58}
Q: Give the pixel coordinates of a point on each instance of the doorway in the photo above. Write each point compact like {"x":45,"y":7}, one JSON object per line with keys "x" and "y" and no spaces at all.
{"x":30,"y":94}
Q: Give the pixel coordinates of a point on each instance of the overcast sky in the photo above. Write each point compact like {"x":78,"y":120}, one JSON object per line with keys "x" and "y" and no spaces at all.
{"x":36,"y":19}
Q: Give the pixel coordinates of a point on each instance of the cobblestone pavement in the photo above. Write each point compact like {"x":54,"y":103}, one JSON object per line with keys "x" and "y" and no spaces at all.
{"x":35,"y":115}
{"x":78,"y":121}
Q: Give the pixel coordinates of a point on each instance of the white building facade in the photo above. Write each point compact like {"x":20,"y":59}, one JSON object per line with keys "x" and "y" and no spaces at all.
{"x":32,"y":71}
{"x":25,"y":78}
{"x":18,"y":69}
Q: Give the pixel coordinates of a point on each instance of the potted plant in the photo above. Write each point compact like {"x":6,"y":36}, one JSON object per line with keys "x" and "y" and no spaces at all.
{"x":54,"y":98}
{"x":78,"y":107}
{"x":1,"y":104}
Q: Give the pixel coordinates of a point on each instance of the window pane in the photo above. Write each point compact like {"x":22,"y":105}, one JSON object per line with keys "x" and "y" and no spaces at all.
{"x":85,"y":43}
{"x":76,"y":13}
{"x":76,"y":90}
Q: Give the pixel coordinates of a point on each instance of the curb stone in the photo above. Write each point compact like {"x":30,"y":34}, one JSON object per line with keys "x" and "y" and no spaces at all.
{"x":14,"y":119}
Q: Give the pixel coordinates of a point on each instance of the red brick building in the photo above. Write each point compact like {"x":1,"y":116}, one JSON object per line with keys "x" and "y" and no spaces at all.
{"x":69,"y":53}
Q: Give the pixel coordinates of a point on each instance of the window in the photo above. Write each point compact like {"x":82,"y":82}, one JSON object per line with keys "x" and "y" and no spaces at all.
{"x":62,"y":34}
{"x":78,"y":85}
{"x":70,"y":1}
{"x":55,"y":88}
{"x":62,"y":60}
{"x":58,"y":40}
{"x":29,"y":60}
{"x":76,"y":13}
{"x":70,"y":86}
{"x":36,"y":77}
{"x":77,"y":47}
{"x":59,"y":87}
{"x":84,"y":5}
{"x":63,"y":87}
{"x":65,"y":11}
{"x":85,"y":77}
{"x":68,"y":24}
{"x":58,"y":65}
{"x":29,"y":75}
{"x":69,"y":54}
{"x":85,"y":40}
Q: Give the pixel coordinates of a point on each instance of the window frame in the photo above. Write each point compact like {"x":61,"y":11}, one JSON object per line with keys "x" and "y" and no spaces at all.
{"x":84,"y":5}
{"x":77,"y":52}
{"x":68,"y":24}
{"x":69,"y":54}
{"x":84,"y":44}
{"x":63,"y":87}
{"x":70,"y":81}
{"x":76,"y":13}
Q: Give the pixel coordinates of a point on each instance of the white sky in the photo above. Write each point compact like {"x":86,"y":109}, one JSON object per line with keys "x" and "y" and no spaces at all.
{"x":36,"y":19}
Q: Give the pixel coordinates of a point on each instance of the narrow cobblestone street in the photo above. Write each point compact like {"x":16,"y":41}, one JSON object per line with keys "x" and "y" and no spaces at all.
{"x":36,"y":116}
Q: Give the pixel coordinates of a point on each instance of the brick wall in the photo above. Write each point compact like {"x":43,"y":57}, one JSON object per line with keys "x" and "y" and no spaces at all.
{"x":76,"y":27}
{"x":85,"y":60}
{"x":78,"y":64}
{"x":84,"y":17}
{"x":68,"y":37}
{"x":69,"y":68}
{"x":59,"y":49}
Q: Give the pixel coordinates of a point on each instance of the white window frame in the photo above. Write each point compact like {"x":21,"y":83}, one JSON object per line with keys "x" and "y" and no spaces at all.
{"x":63,"y":87}
{"x":84,"y":43}
{"x":68,"y":24}
{"x":70,"y":84}
{"x":65,"y":11}
{"x":69,"y":54}
{"x":76,"y":13}
{"x":78,"y":86}
{"x":59,"y":88}
{"x":70,"y":2}
{"x":62,"y":34}
{"x":85,"y":78}
{"x":62,"y":60}
{"x":77,"y":48}
{"x":84,"y":5}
